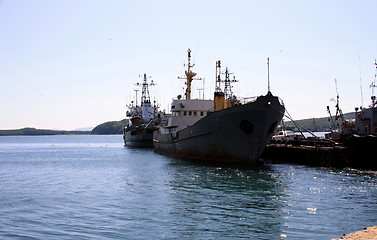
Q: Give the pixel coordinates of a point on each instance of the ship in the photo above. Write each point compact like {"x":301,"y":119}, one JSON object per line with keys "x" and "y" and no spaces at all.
{"x":364,"y":122}
{"x":351,"y":143}
{"x":225,"y":129}
{"x":359,"y":135}
{"x":142,"y":121}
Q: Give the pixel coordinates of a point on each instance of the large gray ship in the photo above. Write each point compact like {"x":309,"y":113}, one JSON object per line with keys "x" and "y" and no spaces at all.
{"x":139,"y":132}
{"x":225,"y":129}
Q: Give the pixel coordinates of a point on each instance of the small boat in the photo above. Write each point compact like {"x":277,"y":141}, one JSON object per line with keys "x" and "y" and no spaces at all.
{"x":226,"y":129}
{"x":142,"y":122}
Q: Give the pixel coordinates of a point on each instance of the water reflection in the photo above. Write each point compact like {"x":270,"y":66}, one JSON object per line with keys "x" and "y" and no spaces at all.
{"x":70,"y":188}
{"x":224,"y":201}
{"x":323,"y":203}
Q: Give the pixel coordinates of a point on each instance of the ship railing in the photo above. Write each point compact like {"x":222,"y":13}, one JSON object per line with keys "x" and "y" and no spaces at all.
{"x":281,"y":101}
{"x":252,"y":99}
{"x":241,"y":101}
{"x":247,"y":100}
{"x":233,"y":102}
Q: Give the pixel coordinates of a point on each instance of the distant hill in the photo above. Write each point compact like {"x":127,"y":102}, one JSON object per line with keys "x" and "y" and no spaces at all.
{"x":33,"y":131}
{"x":114,"y":127}
{"x":316,"y":124}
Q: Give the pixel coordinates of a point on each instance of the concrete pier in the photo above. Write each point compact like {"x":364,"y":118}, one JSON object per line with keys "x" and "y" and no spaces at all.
{"x":357,"y":152}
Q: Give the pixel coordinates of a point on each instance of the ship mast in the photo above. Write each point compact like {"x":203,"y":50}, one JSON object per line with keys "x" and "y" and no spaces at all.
{"x":268,"y":73}
{"x":145,"y":98}
{"x":228,"y":86}
{"x":136,"y":90}
{"x":189,"y":75}
{"x":339,"y":112}
{"x":218,"y":78}
{"x":373,"y":85}
{"x":228,"y":93}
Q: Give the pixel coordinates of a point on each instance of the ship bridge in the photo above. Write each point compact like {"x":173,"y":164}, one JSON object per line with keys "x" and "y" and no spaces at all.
{"x":187,"y":112}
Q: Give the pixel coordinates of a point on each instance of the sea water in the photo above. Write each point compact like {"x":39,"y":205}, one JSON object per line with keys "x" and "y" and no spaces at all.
{"x":92,"y":187}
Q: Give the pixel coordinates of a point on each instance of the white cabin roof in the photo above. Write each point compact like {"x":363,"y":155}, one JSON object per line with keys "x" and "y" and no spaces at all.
{"x":187,"y":112}
{"x":191,"y":105}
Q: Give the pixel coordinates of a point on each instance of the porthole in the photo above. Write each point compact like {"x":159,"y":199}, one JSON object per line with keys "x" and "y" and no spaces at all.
{"x":246,"y":126}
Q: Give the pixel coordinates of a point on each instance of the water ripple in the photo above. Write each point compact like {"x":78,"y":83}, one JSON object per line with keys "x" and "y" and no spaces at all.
{"x":76,"y":187}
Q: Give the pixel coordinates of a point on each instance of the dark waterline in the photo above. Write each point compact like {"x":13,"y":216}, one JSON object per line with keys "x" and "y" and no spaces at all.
{"x":80,"y":187}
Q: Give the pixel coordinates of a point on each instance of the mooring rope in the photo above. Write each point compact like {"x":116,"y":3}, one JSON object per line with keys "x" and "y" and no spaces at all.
{"x":298,"y":126}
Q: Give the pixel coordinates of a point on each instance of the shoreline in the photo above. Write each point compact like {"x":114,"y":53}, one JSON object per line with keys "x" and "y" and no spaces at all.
{"x":40,"y":132}
{"x":368,"y":233}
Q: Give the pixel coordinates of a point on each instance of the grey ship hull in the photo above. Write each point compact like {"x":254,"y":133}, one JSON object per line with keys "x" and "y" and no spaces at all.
{"x":138,"y":138}
{"x":238,"y":134}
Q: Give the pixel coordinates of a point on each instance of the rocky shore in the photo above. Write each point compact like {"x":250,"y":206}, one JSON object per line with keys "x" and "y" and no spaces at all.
{"x":369,"y":233}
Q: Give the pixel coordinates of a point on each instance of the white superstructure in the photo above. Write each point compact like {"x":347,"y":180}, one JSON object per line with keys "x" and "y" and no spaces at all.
{"x":187,"y":112}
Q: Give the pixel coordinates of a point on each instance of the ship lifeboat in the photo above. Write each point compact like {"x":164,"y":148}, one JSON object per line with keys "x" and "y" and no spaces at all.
{"x":135,"y":120}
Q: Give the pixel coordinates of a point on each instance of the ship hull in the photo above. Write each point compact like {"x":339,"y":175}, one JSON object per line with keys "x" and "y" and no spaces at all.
{"x":138,"y":138}
{"x":238,"y":134}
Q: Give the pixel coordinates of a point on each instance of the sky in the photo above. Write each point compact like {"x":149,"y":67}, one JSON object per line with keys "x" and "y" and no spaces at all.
{"x":69,"y":64}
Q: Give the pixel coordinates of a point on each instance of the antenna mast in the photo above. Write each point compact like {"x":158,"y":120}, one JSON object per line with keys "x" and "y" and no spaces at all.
{"x":145,"y":97}
{"x":373,"y":85}
{"x":228,"y":93}
{"x":218,"y":78}
{"x":228,"y":87}
{"x":136,"y":90}
{"x":268,"y":73}
{"x":361,"y":86}
{"x":189,"y":75}
{"x":338,"y":110}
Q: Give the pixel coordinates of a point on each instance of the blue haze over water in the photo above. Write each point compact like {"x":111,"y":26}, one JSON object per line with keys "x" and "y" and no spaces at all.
{"x":91,"y":187}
